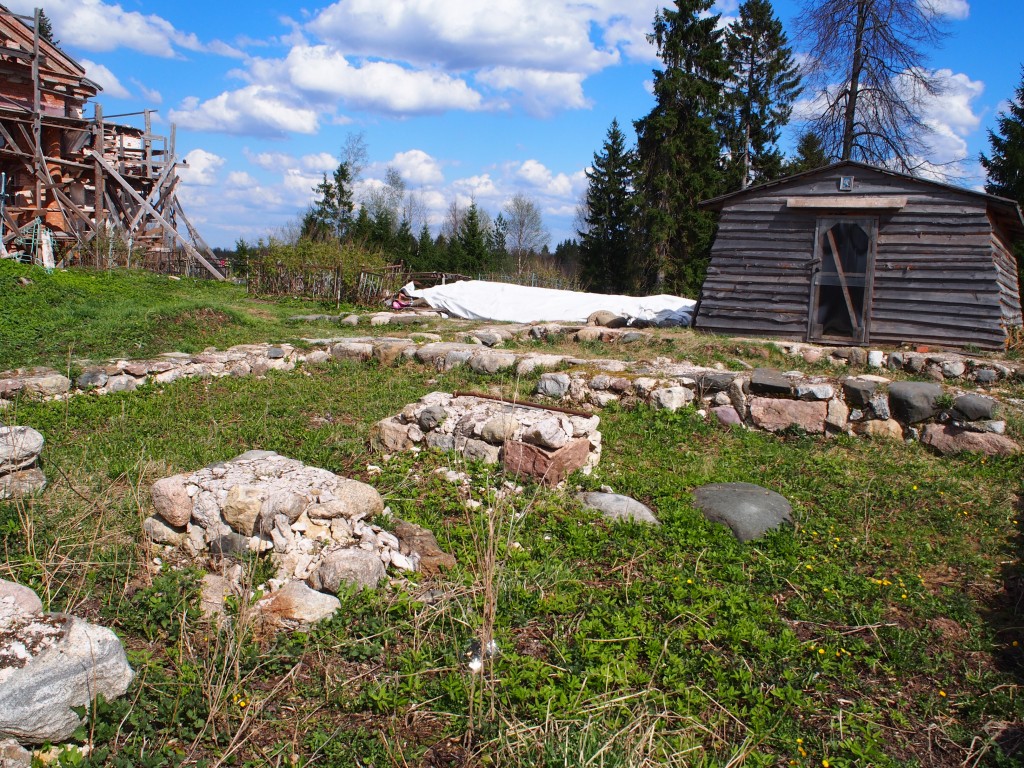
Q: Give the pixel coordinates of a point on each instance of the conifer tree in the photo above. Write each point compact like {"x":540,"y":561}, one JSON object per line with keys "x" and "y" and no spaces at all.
{"x":810,"y":154}
{"x":472,"y":240}
{"x":606,"y":242}
{"x":1005,"y":166}
{"x":678,"y":147}
{"x":764,"y":83}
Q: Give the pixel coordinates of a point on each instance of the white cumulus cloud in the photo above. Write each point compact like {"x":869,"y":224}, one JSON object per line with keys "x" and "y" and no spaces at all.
{"x":255,"y":109}
{"x":200,"y":168}
{"x":418,"y":168}
{"x":98,"y":26}
{"x":954,"y":9}
{"x":107,"y":80}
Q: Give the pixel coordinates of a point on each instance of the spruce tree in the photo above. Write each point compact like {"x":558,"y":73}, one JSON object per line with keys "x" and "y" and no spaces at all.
{"x":472,"y":240}
{"x":606,"y":242}
{"x":810,"y":155}
{"x":764,"y":83}
{"x":678,"y":147}
{"x":1005,"y":166}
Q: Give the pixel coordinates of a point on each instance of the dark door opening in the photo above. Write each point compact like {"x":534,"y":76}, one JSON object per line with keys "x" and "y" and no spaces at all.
{"x":840,"y":287}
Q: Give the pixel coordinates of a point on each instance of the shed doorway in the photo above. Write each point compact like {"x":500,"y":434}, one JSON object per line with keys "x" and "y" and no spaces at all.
{"x":844,"y":258}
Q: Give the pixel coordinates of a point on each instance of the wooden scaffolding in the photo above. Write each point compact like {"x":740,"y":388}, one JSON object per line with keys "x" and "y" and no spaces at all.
{"x":72,"y":187}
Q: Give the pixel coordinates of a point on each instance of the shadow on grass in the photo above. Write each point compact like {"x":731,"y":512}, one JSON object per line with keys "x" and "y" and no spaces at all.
{"x":1005,"y":617}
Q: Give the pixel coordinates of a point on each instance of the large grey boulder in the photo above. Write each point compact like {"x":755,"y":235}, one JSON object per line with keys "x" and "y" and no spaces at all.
{"x":19,"y":447}
{"x":750,"y":511}
{"x":356,"y":567}
{"x":50,"y":663}
{"x":615,"y":506}
{"x":975,"y":407}
{"x":914,"y":401}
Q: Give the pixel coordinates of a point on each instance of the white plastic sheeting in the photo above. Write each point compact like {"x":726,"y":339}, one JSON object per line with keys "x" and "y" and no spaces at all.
{"x":482,"y":300}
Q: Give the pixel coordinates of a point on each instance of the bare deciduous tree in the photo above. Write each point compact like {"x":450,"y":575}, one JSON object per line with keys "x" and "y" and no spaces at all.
{"x":868,"y":61}
{"x":526,"y":233}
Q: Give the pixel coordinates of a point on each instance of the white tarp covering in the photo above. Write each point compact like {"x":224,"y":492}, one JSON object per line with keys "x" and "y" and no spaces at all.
{"x":482,"y":300}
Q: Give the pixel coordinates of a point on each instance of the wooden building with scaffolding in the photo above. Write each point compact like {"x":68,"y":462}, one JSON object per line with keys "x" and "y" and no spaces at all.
{"x":73,"y":187}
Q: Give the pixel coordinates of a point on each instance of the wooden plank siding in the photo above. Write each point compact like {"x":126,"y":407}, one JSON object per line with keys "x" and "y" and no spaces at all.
{"x":943,"y":274}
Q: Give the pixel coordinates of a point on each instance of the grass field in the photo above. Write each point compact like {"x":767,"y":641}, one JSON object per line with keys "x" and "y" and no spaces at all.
{"x":884,"y":629}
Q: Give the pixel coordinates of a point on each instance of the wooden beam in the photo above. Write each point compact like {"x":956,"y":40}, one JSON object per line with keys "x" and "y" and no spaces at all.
{"x":847,"y":201}
{"x":157,"y":215}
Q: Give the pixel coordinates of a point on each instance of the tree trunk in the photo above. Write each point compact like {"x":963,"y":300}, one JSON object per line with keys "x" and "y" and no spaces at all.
{"x":849,"y":123}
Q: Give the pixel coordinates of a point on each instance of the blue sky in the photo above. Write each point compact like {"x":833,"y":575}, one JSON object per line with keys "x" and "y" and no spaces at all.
{"x":466,"y":99}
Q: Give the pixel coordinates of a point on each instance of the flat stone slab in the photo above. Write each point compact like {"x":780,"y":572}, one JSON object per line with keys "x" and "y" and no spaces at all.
{"x":749,"y":510}
{"x":769,"y":381}
{"x":615,"y":506}
{"x":948,"y":440}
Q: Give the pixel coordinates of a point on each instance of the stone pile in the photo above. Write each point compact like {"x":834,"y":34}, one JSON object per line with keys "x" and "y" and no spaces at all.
{"x":49,"y":663}
{"x":129,"y":375}
{"x":313,"y":524}
{"x":777,"y":401}
{"x":543,"y":444}
{"x":20,"y":474}
{"x":940,"y":366}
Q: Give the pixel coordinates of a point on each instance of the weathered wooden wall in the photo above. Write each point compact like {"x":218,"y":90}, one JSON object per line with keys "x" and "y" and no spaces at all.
{"x":940,"y":275}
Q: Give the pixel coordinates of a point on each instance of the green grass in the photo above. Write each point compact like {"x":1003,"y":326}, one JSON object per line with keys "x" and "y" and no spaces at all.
{"x":883,"y":630}
{"x":69,"y":315}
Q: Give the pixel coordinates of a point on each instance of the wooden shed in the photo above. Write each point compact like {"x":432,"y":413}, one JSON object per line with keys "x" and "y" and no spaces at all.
{"x":853,"y":254}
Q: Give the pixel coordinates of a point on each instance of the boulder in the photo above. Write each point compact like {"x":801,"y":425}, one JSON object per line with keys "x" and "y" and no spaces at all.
{"x":242,"y":508}
{"x":553,"y":385}
{"x":671,"y":398}
{"x":543,"y":465}
{"x":296,"y":603}
{"x":859,"y":391}
{"x":889,"y":429}
{"x":431,"y":417}
{"x":548,"y":433}
{"x":947,"y":439}
{"x":352,"y":350}
{"x":91,"y":378}
{"x":418,"y":542}
{"x":606,"y":319}
{"x":615,"y":506}
{"x":171,"y":500}
{"x":975,"y":407}
{"x":769,"y":381}
{"x":500,"y":428}
{"x":478,"y":450}
{"x":727,"y":416}
{"x":46,"y":384}
{"x":914,"y":401}
{"x":776,"y":415}
{"x":123,"y":383}
{"x":390,"y":436}
{"x":815,"y":391}
{"x":52,"y":663}
{"x":750,"y":511}
{"x":19,"y":447}
{"x":17,"y":598}
{"x":160,"y":532}
{"x":351,"y":566}
{"x":23,"y":482}
{"x":491,"y":362}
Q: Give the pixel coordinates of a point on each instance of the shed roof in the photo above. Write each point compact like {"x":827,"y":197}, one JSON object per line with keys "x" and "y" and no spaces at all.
{"x":1007,"y":211}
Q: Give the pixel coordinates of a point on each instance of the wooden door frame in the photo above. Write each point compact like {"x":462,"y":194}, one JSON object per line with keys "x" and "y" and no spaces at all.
{"x":871,"y":227}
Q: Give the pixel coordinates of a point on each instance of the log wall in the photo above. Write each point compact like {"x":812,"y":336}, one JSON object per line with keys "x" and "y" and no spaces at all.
{"x":942,"y":274}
